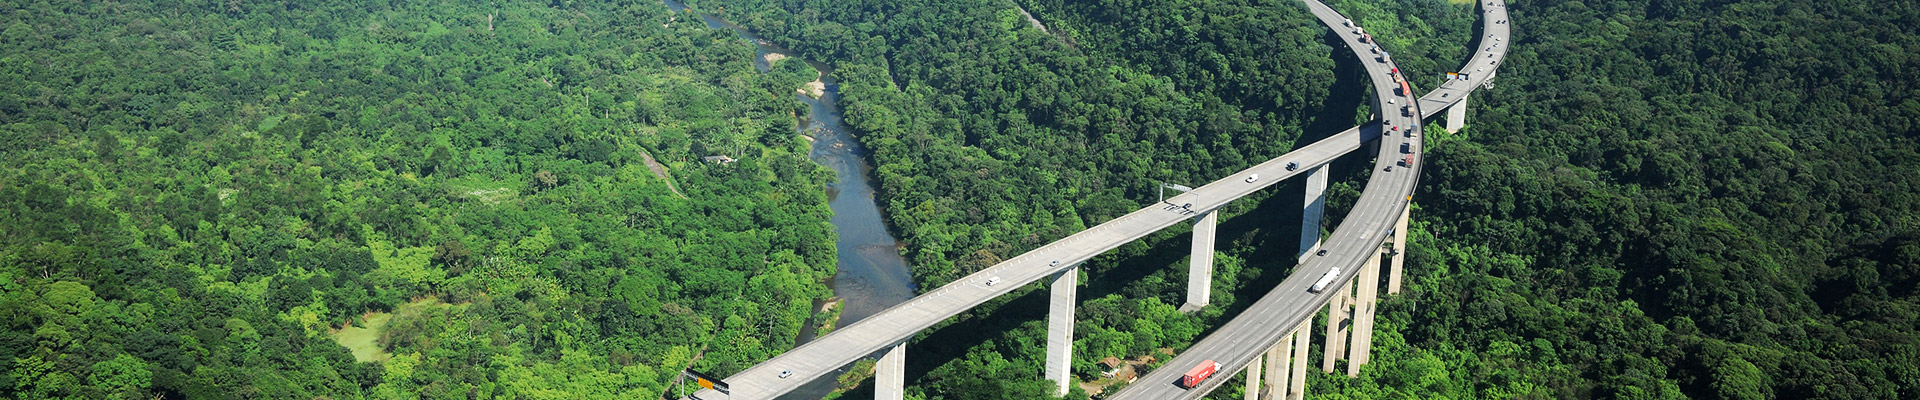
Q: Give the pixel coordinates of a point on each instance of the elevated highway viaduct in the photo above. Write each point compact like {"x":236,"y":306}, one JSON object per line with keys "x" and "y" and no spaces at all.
{"x":1283,"y":313}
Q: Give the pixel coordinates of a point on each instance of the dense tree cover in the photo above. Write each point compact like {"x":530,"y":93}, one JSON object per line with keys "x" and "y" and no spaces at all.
{"x":1252,"y":54}
{"x":1665,"y":199}
{"x":1675,"y":199}
{"x":195,"y":193}
{"x":992,"y":137}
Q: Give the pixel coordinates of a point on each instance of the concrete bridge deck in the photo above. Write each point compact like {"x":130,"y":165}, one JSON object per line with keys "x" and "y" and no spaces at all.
{"x":1261,"y":327}
{"x":1243,"y":338}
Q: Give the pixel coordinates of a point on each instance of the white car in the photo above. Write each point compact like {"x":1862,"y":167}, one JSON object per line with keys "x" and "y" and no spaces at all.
{"x":1252,"y":177}
{"x":993,"y":280}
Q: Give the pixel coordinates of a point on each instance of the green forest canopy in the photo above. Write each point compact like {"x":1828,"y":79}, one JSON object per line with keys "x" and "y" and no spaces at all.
{"x":197,"y":193}
{"x":1657,"y":199}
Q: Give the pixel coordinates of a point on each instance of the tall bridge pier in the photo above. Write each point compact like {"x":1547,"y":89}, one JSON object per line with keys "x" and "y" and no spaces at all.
{"x":1200,"y":264}
{"x":1399,"y":251}
{"x":1285,"y":373}
{"x":1457,"y":115}
{"x":1315,"y":206}
{"x":1064,"y":288}
{"x":1361,"y":347}
{"x":890,"y":374}
{"x":1339,"y":315}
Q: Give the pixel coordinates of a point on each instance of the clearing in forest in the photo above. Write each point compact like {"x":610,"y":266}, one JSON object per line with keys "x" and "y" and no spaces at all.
{"x":363,"y":339}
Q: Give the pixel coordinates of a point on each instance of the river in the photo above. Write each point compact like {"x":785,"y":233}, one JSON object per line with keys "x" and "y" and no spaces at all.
{"x":872,"y":275}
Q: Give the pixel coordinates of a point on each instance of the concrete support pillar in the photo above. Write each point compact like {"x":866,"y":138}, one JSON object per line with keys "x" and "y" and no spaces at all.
{"x":1279,"y":362}
{"x":1457,"y":115}
{"x":1399,"y":251}
{"x":1360,"y":351}
{"x":1297,"y":388}
{"x":1200,"y":264}
{"x":890,"y":374}
{"x":1337,"y":319}
{"x":1254,"y":373}
{"x":1060,"y":328}
{"x":1315,"y":206}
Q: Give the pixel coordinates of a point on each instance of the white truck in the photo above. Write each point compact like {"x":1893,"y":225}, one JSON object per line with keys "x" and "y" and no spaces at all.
{"x":1321,"y":285}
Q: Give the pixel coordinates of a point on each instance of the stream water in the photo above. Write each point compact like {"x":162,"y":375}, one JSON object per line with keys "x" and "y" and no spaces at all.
{"x":872,"y":275}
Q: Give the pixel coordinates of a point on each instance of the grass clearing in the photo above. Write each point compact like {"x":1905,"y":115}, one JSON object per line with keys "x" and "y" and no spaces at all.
{"x":363,"y":339}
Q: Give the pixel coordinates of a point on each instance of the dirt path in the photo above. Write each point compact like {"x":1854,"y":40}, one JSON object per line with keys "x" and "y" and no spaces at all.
{"x":1036,"y":22}
{"x":661,"y":171}
{"x":1043,"y":27}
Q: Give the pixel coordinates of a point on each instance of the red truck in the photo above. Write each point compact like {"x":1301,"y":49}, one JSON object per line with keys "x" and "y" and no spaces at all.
{"x":1199,"y":373}
{"x":1405,"y":90}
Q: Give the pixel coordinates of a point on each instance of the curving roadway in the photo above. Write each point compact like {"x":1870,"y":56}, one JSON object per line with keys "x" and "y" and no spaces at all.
{"x":897,"y":324}
{"x":1356,"y":241}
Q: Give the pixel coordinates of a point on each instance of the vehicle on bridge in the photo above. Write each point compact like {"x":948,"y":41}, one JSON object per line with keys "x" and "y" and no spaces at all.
{"x":1199,"y":373}
{"x":1321,"y":285}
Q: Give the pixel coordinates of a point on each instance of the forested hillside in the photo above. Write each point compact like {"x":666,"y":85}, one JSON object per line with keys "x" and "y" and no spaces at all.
{"x":1665,"y":199}
{"x":992,"y":137}
{"x":198,"y":197}
{"x":1656,"y":199}
{"x":1675,"y":200}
